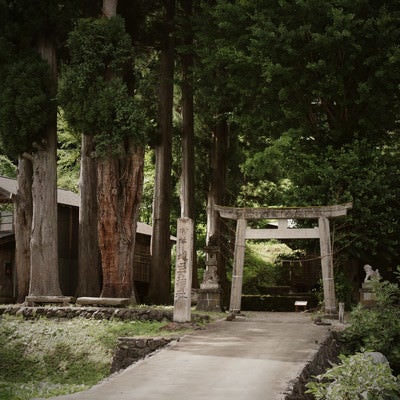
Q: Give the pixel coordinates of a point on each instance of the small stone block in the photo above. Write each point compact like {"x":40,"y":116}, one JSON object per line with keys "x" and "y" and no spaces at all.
{"x":300,"y":303}
{"x":64,"y":300}
{"x":104,"y":301}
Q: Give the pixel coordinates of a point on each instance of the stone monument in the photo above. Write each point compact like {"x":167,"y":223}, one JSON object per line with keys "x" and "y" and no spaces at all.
{"x":209,"y":295}
{"x":367,"y":295}
{"x":183,"y":271}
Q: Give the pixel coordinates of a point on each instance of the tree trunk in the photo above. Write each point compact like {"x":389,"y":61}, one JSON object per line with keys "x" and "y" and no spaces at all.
{"x":160,"y":276}
{"x":119,"y":192}
{"x":44,"y":277}
{"x":216,"y":195}
{"x":188,"y":160}
{"x":23,"y":227}
{"x":89,"y":269}
{"x":110,"y":8}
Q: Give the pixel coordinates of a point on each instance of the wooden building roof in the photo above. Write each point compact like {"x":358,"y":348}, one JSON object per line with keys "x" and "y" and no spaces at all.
{"x":8,"y":187}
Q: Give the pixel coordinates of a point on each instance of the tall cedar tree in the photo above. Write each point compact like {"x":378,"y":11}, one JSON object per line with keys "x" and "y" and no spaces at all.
{"x":160,"y":282}
{"x":28,"y":111}
{"x":99,"y":102}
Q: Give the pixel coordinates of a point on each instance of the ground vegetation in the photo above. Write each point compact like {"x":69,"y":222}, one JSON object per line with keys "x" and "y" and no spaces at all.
{"x":46,"y":357}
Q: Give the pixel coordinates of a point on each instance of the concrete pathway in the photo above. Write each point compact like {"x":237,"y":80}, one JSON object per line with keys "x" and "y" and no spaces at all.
{"x":253,"y":357}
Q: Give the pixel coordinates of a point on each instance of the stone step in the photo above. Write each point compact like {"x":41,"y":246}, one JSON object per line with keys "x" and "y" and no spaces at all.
{"x":104,"y":301}
{"x":31,"y":301}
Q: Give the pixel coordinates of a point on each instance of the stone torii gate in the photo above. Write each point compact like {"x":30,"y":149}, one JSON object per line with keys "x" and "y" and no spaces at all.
{"x":322,"y":232}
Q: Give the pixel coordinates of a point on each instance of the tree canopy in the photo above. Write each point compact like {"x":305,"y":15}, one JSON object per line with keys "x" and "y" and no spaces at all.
{"x":303,"y":97}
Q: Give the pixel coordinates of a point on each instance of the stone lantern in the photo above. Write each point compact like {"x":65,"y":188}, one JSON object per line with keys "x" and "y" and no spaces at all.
{"x":209,"y":295}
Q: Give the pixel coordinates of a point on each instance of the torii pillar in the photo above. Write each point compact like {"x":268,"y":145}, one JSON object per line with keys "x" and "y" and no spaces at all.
{"x":328,"y":282}
{"x":322,"y":232}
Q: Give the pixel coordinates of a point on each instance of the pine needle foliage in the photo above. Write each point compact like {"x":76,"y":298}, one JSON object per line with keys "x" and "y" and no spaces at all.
{"x":96,"y":90}
{"x":27,"y":99}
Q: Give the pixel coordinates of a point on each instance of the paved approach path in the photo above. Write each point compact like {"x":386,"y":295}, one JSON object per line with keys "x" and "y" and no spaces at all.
{"x":253,"y":357}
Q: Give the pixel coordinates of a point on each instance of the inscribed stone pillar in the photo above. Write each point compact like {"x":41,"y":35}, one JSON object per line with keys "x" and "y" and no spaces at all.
{"x":238,"y":260}
{"x":327,"y":266}
{"x":183,"y":270}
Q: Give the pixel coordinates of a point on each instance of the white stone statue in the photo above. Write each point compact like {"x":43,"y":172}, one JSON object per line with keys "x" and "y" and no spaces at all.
{"x":371,"y":274}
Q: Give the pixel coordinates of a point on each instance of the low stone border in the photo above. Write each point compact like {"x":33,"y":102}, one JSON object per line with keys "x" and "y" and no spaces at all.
{"x":322,"y":360}
{"x":131,"y":349}
{"x":140,"y":314}
{"x":89,"y":312}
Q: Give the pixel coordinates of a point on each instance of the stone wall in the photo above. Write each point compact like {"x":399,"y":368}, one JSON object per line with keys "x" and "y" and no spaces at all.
{"x":322,"y":360}
{"x":276,"y":303}
{"x":131,"y":349}
{"x":140,"y":314}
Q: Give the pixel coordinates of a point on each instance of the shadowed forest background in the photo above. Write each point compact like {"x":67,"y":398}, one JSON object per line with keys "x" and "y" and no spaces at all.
{"x":156,"y":110}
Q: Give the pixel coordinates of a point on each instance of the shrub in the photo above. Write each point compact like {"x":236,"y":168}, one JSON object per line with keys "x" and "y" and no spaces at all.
{"x":377,"y":328}
{"x":357,"y":377}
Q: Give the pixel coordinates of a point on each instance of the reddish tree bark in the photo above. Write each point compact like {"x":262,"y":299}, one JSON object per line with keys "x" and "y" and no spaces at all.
{"x":119,"y":192}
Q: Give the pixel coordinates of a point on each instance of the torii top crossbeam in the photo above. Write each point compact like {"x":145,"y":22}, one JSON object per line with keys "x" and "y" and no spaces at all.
{"x":283,"y":212}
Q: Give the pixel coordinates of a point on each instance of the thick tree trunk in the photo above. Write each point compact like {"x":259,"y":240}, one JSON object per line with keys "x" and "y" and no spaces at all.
{"x":89,"y":269}
{"x":216,"y":195}
{"x":188,"y":160}
{"x":23,"y":227}
{"x":44,"y":277}
{"x":160,"y":273}
{"x":119,"y":192}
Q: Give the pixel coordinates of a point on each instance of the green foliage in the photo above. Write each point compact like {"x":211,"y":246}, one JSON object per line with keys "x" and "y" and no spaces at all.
{"x":7,"y":168}
{"x":44,"y":358}
{"x":95,"y":97}
{"x":315,"y":98}
{"x":377,"y":328}
{"x":261,"y":269}
{"x":68,"y":155}
{"x":146,"y":204}
{"x":368,"y":176}
{"x":356,"y":377}
{"x":327,"y":65}
{"x":27,"y":22}
{"x":343,"y":289}
{"x":26,"y":102}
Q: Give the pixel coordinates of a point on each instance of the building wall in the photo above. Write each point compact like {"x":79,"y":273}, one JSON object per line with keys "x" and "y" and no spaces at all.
{"x":68,"y":233}
{"x":7,"y":253}
{"x":68,"y":242}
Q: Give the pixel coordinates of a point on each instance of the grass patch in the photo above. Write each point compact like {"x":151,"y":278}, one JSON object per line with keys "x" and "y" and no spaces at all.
{"x":45,"y":357}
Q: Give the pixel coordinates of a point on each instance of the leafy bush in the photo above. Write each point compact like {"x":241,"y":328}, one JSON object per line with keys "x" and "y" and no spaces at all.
{"x":357,"y":377}
{"x":377,"y":328}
